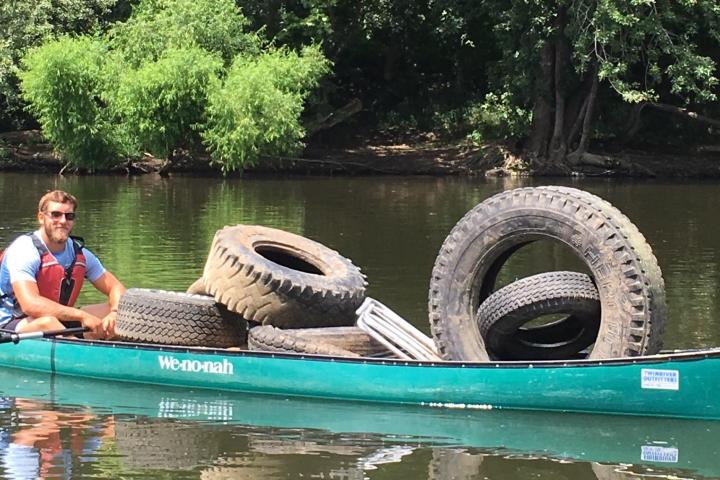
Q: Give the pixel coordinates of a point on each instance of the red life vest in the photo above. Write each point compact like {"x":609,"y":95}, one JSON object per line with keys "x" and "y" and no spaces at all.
{"x":59,"y":284}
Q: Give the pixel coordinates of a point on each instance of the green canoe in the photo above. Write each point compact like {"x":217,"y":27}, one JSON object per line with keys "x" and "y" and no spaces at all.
{"x":679,"y":384}
{"x":690,"y":445}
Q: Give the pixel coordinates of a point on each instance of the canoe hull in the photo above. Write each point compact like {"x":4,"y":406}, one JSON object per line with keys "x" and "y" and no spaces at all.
{"x":678,"y":385}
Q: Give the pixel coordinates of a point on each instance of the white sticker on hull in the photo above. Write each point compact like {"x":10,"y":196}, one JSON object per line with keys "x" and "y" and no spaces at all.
{"x":168,"y":362}
{"x":652,"y":453}
{"x":660,"y":379}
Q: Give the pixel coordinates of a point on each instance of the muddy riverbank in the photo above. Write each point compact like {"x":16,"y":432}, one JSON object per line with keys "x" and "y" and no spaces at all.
{"x":28,"y":151}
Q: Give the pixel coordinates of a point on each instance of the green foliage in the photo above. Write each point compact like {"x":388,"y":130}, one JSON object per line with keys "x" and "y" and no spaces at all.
{"x":160,"y":104}
{"x":161,"y":80}
{"x":642,"y":50}
{"x":62,"y":85}
{"x":256,"y":111}
{"x":292,"y":22}
{"x":27,"y":23}
{"x":498,"y":117}
{"x":155,"y":26}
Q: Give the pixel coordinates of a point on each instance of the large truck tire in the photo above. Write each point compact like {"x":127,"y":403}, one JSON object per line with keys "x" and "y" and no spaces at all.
{"x":625,"y":271}
{"x":278,"y":278}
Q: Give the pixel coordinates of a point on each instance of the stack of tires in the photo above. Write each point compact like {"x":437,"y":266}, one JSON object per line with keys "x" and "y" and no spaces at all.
{"x":254,"y":276}
{"x":616,"y":308}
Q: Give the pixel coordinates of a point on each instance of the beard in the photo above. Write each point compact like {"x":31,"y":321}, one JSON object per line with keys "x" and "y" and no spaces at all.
{"x":57,"y":234}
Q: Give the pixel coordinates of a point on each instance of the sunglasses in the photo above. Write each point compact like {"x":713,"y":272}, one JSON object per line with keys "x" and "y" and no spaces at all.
{"x":69,"y":216}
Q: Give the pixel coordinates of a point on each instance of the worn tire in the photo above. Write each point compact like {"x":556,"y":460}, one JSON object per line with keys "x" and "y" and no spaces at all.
{"x":277,"y":278}
{"x":353,"y":339}
{"x":503,"y":315}
{"x":267,"y":338}
{"x":174,"y":318}
{"x":626,"y":272}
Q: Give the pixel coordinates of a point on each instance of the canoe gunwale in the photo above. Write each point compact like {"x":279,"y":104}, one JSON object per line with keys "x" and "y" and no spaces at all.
{"x":662,"y":357}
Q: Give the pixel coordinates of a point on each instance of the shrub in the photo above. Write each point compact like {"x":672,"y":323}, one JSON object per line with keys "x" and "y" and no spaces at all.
{"x":155,"y":26}
{"x":257,"y":110}
{"x":160,"y":104}
{"x":498,"y":118}
{"x":63,"y":87}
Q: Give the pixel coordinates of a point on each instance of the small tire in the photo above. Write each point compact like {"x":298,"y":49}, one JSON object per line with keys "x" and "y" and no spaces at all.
{"x":628,"y":278}
{"x":277,"y":278}
{"x":174,"y":318}
{"x":503,"y":315}
{"x":267,"y":338}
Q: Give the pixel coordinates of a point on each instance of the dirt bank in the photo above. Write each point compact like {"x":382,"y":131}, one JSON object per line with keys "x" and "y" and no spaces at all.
{"x":28,"y":151}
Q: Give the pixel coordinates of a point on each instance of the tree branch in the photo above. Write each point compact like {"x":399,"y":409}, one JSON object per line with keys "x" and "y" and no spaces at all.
{"x":332,"y":119}
{"x":685,"y":113}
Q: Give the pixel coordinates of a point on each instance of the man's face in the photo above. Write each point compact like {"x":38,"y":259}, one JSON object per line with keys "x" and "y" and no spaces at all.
{"x":55,"y":222}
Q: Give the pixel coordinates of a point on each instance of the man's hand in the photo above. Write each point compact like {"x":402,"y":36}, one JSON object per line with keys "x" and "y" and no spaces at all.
{"x":97,"y":326}
{"x":109,"y":324}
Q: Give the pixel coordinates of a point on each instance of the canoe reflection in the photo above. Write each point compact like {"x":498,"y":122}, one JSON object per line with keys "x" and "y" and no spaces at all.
{"x":220,"y":435}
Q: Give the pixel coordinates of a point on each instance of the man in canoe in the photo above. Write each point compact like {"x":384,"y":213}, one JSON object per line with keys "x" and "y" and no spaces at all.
{"x":41,"y":275}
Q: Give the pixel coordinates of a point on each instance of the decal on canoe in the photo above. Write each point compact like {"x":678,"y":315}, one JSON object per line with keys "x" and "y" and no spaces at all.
{"x":654,"y":453}
{"x":168,"y":362}
{"x":660,"y":379}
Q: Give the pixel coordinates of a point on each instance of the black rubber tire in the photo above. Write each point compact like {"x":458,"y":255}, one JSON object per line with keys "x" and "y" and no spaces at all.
{"x":628,"y":278}
{"x":349,"y":338}
{"x":174,"y":318}
{"x":503,"y":314}
{"x":277,"y":278}
{"x":267,"y":338}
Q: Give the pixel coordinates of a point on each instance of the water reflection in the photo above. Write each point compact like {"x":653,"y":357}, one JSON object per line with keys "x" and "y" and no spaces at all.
{"x":41,"y":443}
{"x":152,"y":431}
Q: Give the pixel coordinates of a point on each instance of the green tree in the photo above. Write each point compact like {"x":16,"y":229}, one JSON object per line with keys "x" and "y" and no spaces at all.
{"x":559,"y":58}
{"x":216,"y":26}
{"x":175,"y":72}
{"x":161,"y":104}
{"x":28,"y":23}
{"x":62,"y":83}
{"x":257,"y":109}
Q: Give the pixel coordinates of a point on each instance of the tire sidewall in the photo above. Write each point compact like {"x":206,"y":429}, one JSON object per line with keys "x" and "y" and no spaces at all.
{"x":498,"y":225}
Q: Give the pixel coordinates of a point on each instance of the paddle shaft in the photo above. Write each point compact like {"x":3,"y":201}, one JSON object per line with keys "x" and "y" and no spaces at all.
{"x":7,"y":337}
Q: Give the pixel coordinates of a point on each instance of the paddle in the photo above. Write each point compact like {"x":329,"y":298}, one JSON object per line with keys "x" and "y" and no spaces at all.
{"x":7,"y":337}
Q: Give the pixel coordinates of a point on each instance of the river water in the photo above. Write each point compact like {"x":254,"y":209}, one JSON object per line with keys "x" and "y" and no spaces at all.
{"x":155,"y":233}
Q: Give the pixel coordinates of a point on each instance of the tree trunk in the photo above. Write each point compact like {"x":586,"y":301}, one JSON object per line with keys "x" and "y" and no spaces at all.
{"x":558,"y":144}
{"x":564,"y":107}
{"x":587,"y":121}
{"x":542,"y":109}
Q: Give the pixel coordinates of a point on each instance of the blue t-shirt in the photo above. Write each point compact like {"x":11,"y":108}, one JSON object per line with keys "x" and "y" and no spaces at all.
{"x":22,"y":262}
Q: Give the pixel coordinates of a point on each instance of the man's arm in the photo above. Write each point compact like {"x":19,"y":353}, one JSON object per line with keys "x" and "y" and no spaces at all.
{"x":108,"y":284}
{"x":35,"y":305}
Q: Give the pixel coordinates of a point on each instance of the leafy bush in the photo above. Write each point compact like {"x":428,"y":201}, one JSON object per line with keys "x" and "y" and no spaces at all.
{"x":160,"y":104}
{"x":62,"y":83}
{"x":497,"y":118}
{"x":161,"y":81}
{"x":26,"y":24}
{"x":257,"y":109}
{"x":155,"y":26}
